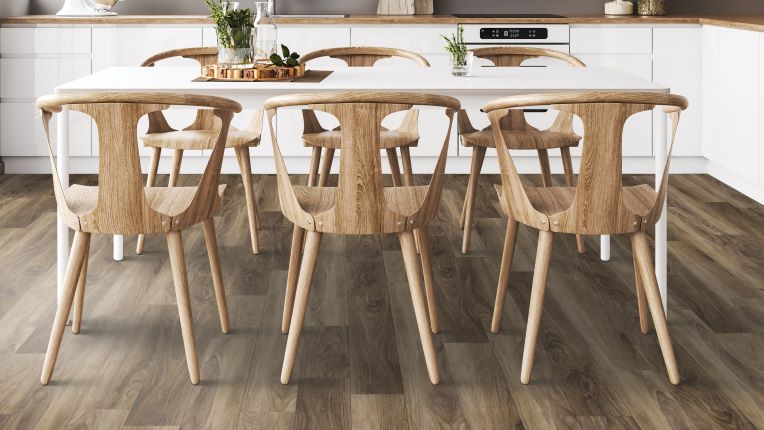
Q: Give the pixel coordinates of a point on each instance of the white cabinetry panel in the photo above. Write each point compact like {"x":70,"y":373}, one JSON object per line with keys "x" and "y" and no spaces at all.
{"x":611,"y":40}
{"x":761,"y":112}
{"x":23,"y":134}
{"x":677,"y":63}
{"x":737,"y":112}
{"x":44,"y":40}
{"x":130,"y":46}
{"x":711,"y":78}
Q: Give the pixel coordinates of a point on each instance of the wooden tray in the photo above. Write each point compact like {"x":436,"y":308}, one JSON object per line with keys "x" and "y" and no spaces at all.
{"x":258,"y":73}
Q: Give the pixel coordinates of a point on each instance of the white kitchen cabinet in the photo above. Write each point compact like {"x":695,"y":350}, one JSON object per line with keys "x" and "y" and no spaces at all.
{"x":426,"y":41}
{"x":34,"y":61}
{"x":761,"y":115}
{"x":734,"y":106}
{"x":611,"y":40}
{"x":678,"y":63}
{"x":130,"y":46}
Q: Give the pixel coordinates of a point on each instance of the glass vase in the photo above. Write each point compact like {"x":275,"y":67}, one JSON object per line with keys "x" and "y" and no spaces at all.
{"x":265,"y":32}
{"x":462,"y":65}
{"x":235,"y":48}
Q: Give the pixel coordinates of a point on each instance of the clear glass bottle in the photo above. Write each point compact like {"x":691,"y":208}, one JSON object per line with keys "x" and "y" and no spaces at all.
{"x":265,"y":32}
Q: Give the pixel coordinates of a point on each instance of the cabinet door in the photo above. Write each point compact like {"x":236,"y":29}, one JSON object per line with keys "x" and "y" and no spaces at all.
{"x":44,"y":40}
{"x":638,"y":130}
{"x":711,"y":78}
{"x":738,"y":110}
{"x":678,"y":63}
{"x":611,"y":40}
{"x":130,"y":46}
{"x":22,"y":133}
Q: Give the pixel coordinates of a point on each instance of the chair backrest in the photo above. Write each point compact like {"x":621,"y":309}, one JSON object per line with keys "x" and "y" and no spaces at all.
{"x":515,"y":56}
{"x":121,"y":205}
{"x":598,"y":206}
{"x":361,"y":205}
{"x":204,"y":120}
{"x":364,"y":56}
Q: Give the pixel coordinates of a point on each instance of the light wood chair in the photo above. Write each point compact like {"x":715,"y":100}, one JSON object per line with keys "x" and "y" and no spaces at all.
{"x":202,"y":134}
{"x":517,"y":133}
{"x":360,"y":204}
{"x":121,"y":205}
{"x":404,"y":137}
{"x":599,"y":204}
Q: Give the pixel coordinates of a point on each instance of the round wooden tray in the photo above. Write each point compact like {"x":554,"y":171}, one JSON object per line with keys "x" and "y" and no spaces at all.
{"x":260,"y":72}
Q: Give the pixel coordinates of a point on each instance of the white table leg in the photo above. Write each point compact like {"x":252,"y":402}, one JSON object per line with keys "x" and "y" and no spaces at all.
{"x":661,"y":228}
{"x":62,"y":230}
{"x":119,"y":247}
{"x":605,"y":247}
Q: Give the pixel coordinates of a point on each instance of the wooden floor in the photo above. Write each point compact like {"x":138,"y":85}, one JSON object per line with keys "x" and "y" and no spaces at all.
{"x":360,"y":363}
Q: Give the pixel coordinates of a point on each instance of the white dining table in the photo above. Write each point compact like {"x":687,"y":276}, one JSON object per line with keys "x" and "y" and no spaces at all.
{"x":485,"y":84}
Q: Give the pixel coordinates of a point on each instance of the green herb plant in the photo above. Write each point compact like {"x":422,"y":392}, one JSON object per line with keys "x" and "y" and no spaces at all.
{"x":289,"y":59}
{"x":233,"y":26}
{"x":456,"y":47}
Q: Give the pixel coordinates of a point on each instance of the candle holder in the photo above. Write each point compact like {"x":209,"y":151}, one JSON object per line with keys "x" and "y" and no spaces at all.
{"x":651,"y":7}
{"x":619,"y":7}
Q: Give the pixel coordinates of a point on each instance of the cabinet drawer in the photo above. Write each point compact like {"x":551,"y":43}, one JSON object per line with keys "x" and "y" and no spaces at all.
{"x":130,"y":46}
{"x":45,"y":40}
{"x":22,"y":133}
{"x":28,"y":78}
{"x":611,"y":40}
{"x":423,"y":40}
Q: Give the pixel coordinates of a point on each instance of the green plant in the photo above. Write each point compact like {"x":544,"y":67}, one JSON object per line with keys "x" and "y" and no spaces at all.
{"x":233,"y":26}
{"x":289,"y":59}
{"x":456,"y":47}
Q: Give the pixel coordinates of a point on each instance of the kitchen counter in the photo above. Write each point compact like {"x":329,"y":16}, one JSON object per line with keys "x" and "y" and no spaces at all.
{"x":746,"y":22}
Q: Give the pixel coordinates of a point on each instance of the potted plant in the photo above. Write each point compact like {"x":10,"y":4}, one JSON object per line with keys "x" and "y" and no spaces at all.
{"x":461,"y":57}
{"x":234,"y":33}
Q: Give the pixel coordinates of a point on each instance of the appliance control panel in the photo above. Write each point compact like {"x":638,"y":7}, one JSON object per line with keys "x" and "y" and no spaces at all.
{"x":508,"y":33}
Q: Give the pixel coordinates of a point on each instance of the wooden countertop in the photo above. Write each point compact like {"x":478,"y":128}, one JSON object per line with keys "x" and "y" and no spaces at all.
{"x":746,"y":22}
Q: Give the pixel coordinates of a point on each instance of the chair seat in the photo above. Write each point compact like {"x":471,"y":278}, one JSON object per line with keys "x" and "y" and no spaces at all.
{"x":405,"y":201}
{"x":388,"y":139}
{"x":170,"y":201}
{"x":523,"y":139}
{"x":200,"y":139}
{"x":553,"y":200}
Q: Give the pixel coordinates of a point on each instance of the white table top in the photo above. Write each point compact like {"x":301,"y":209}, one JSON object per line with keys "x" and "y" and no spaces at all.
{"x":486,"y":81}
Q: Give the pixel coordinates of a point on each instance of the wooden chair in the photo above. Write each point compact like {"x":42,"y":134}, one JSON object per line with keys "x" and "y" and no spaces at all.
{"x":404,"y":137}
{"x":202,"y":134}
{"x":599,"y":204}
{"x":518,"y":134}
{"x":121,"y":205}
{"x":360,"y":204}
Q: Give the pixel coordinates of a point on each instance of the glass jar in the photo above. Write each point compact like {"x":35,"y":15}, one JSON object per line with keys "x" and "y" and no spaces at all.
{"x":651,"y":7}
{"x":619,"y":7}
{"x":265,"y":32}
{"x":235,"y":44}
{"x":462,"y":65}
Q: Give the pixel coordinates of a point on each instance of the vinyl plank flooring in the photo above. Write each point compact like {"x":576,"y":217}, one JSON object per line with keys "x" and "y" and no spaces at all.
{"x":360,"y":362}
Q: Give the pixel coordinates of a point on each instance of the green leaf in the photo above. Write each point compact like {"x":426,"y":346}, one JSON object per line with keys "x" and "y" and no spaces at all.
{"x":284,"y":51}
{"x":295,"y":55}
{"x":291,"y":62}
{"x":275,"y":59}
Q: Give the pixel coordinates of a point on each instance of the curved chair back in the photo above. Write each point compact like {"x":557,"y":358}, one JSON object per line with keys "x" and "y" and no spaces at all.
{"x":598,"y":206}
{"x":203,"y":55}
{"x":364,"y":56}
{"x":514,"y":56}
{"x":360,"y":204}
{"x":121,"y":206}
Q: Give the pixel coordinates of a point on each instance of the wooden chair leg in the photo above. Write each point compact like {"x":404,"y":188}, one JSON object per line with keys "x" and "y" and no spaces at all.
{"x":79,"y":297}
{"x":506,"y":266}
{"x":150,"y":181}
{"x":546,"y":171}
{"x":641,"y":250}
{"x":177,"y":159}
{"x":245,"y":167}
{"x":326,"y":167}
{"x":210,"y":238}
{"x":315,"y":160}
{"x":644,"y":323}
{"x":76,"y":258}
{"x":180,"y":279}
{"x":540,"y":273}
{"x":417,"y":297}
{"x":408,"y":180}
{"x":567,"y":166}
{"x":429,"y":283}
{"x":478,"y":155}
{"x":395,"y":168}
{"x":292,"y":275}
{"x":305,"y":281}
